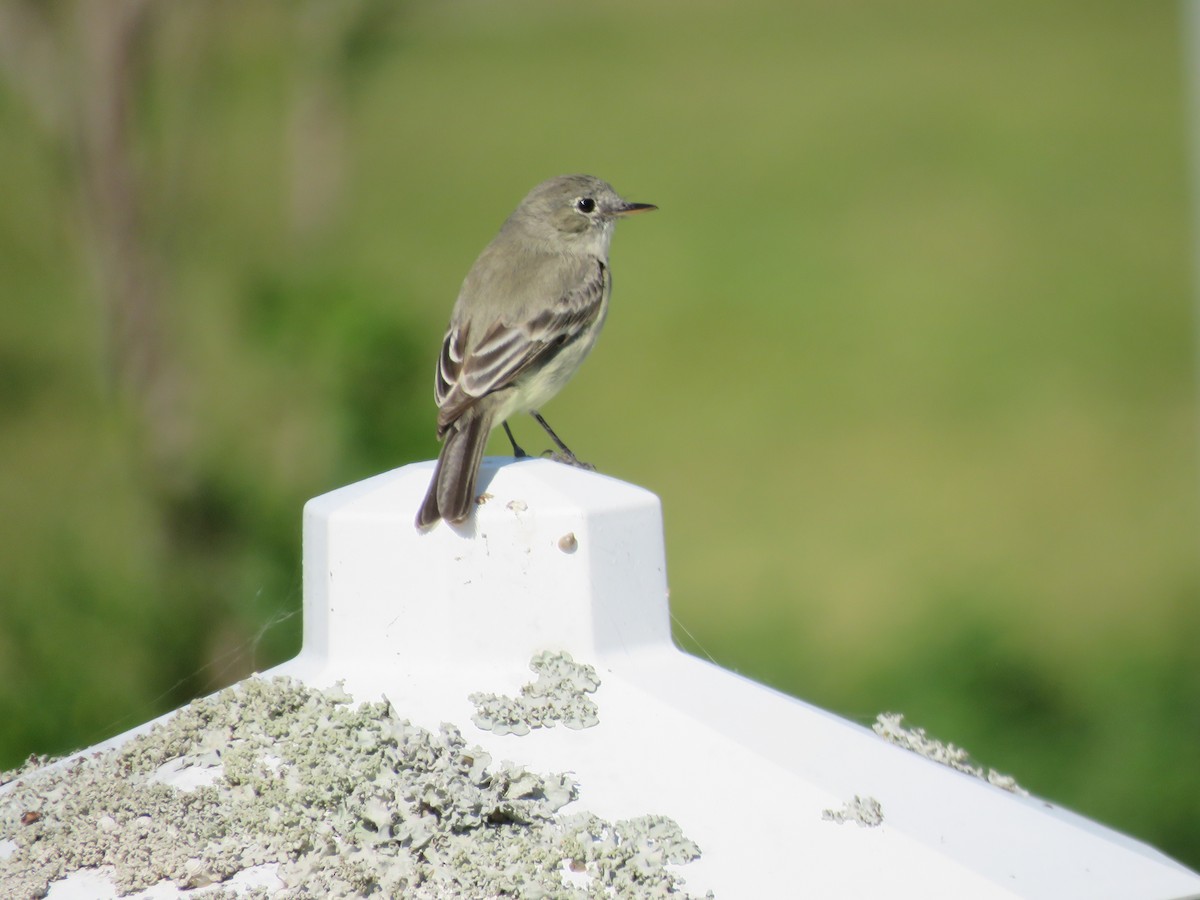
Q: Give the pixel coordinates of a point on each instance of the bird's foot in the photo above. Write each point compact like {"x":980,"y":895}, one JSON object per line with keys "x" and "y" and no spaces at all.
{"x":517,"y":451}
{"x":569,"y":459}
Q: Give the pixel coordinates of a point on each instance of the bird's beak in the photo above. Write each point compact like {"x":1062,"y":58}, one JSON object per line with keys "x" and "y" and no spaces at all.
{"x":630,"y":208}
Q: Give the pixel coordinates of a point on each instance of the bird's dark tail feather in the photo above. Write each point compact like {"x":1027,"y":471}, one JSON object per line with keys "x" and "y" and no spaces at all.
{"x":451,"y":492}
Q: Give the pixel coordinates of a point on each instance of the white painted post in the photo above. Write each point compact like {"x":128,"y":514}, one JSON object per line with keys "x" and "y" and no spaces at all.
{"x":554,"y":558}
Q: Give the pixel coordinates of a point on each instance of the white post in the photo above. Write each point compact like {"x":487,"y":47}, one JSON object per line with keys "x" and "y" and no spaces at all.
{"x":554,"y":558}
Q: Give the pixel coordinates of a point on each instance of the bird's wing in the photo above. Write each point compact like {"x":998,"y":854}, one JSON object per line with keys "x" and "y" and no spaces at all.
{"x":470,"y":369}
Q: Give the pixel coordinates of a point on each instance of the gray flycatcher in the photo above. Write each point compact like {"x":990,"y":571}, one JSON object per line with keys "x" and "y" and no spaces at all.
{"x":528,"y":312}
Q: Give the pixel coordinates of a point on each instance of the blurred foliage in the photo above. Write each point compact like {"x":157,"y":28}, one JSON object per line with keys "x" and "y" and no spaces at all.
{"x":908,"y":352}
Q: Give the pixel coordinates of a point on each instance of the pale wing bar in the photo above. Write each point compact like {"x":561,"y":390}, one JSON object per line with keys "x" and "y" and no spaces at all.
{"x":508,"y":350}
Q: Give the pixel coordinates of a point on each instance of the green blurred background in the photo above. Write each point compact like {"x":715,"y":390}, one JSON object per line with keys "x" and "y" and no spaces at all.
{"x":908,"y":352}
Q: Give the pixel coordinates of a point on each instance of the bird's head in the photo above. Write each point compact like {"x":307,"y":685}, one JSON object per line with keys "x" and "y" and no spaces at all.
{"x":575,"y":210}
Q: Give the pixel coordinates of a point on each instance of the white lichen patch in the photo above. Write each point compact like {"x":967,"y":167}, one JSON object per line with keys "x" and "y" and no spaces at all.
{"x":890,"y":727}
{"x":864,"y":811}
{"x":558,"y":695}
{"x":343,"y":801}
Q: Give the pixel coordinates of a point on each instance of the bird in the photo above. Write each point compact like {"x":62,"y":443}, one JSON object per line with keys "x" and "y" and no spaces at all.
{"x":527,"y":314}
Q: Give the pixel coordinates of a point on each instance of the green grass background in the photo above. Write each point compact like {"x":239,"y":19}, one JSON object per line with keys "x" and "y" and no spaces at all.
{"x":908,"y":354}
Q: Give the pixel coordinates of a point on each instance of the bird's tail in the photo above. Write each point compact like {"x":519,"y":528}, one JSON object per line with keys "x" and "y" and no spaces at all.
{"x":451,"y":492}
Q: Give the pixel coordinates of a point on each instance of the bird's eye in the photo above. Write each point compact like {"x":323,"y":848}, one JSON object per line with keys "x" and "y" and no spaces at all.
{"x":585,"y":204}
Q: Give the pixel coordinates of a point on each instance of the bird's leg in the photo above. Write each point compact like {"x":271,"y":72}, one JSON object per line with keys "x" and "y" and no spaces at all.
{"x":565,"y":456}
{"x":517,"y":451}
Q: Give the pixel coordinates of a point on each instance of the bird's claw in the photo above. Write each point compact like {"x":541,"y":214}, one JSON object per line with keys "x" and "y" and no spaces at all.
{"x":569,"y":459}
